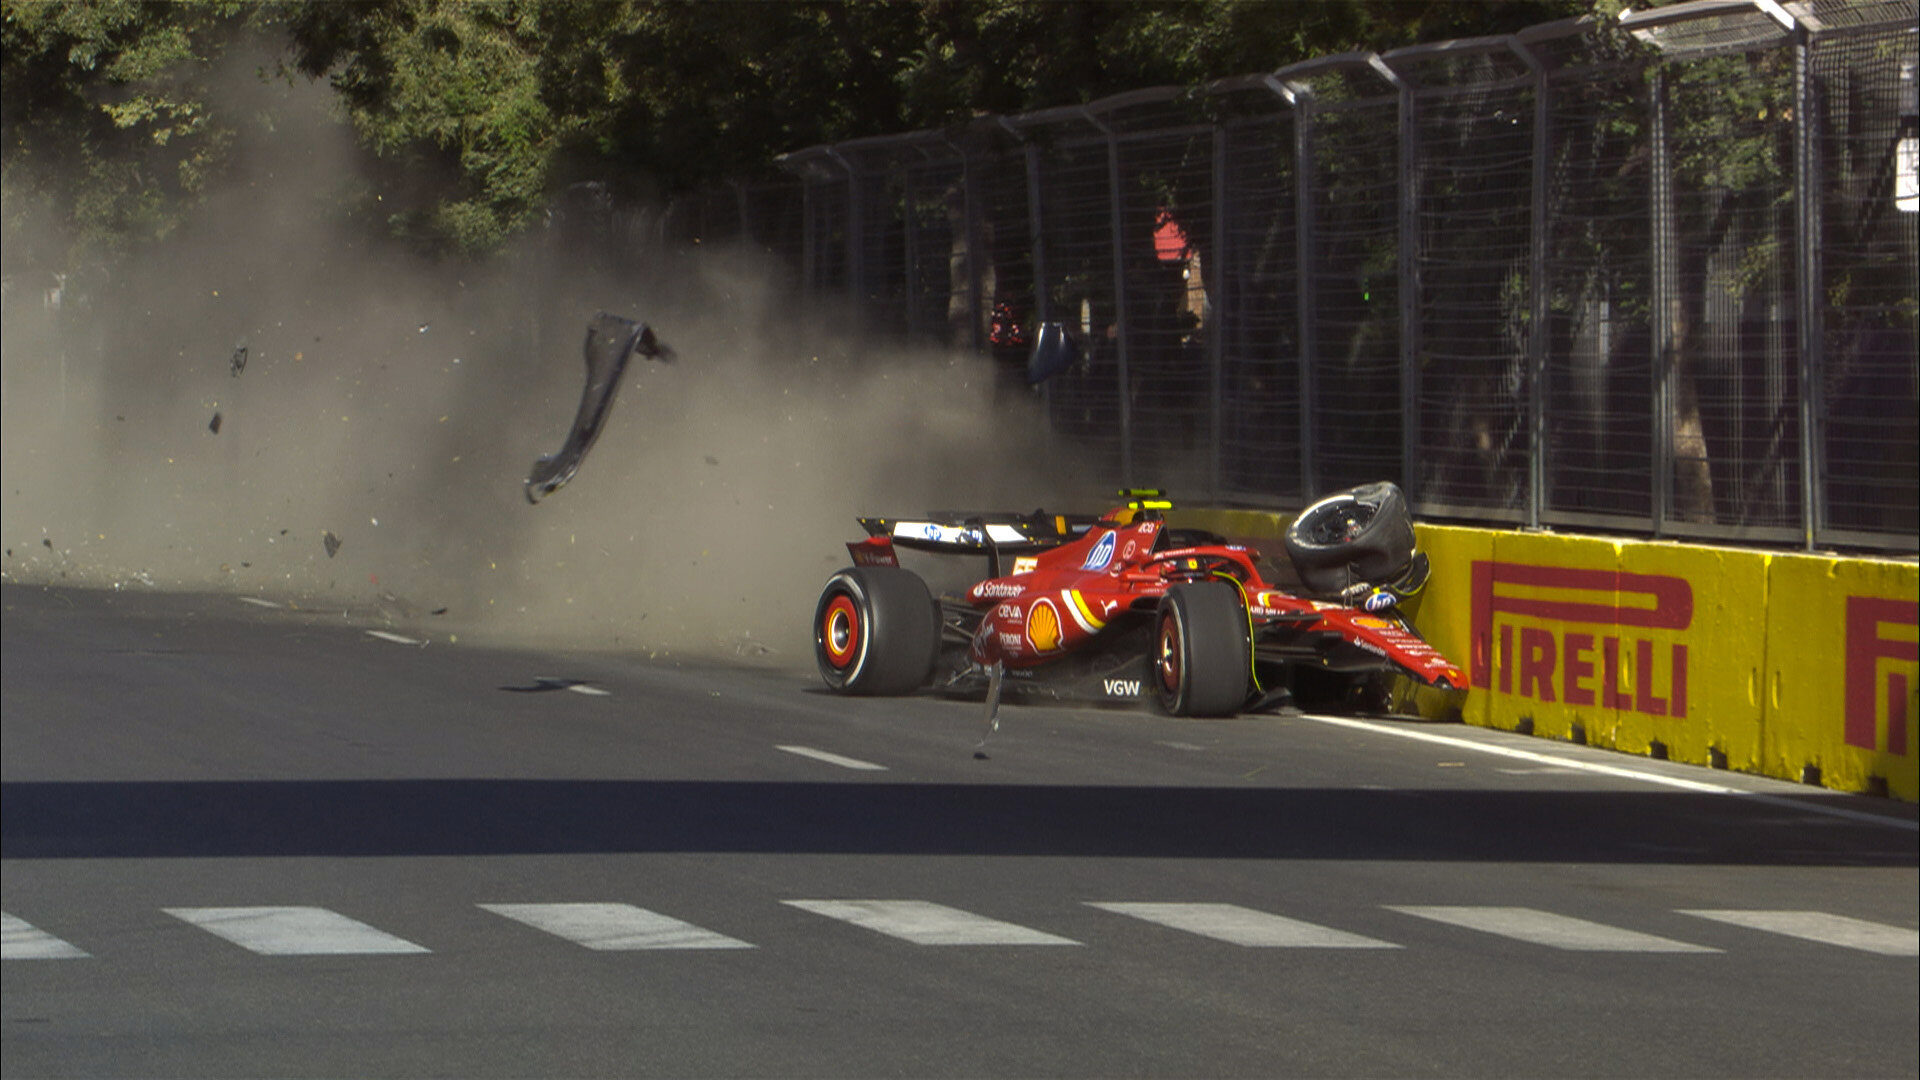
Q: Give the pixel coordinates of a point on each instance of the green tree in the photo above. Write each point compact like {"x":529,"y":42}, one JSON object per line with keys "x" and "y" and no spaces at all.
{"x":106,"y":119}
{"x":478,"y":110}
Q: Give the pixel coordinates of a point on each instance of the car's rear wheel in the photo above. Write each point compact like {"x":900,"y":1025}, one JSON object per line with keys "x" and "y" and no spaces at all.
{"x":1201,"y":656}
{"x":876,"y":631}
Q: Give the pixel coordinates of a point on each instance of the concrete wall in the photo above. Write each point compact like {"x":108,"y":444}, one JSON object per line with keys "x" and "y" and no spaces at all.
{"x":1802,"y":667}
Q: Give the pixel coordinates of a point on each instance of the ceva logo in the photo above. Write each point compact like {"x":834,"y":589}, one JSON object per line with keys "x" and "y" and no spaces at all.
{"x":1579,"y":662}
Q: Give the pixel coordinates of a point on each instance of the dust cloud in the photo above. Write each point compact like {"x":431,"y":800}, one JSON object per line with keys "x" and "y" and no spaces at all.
{"x":377,"y":414}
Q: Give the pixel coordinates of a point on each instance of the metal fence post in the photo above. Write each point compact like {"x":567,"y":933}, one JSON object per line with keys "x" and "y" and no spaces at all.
{"x":1218,"y":305}
{"x":910,"y":251}
{"x":1042,"y":302}
{"x":1408,"y":177}
{"x":1666,"y":298}
{"x":1122,"y":376}
{"x":1807,"y":291}
{"x":856,"y":233}
{"x":1300,"y":98}
{"x":976,"y":237}
{"x":1539,"y":289}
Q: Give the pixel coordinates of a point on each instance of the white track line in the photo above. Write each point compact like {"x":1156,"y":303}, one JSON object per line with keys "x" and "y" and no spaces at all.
{"x":1244,"y":926}
{"x":1824,"y":928}
{"x":1546,"y":928}
{"x":833,"y":759}
{"x":21,"y":940}
{"x":294,"y":931}
{"x":615,"y":927}
{"x":925,"y":923}
{"x":1612,"y":770}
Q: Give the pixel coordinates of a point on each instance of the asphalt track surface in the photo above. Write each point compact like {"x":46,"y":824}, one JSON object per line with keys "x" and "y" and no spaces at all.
{"x":250,"y":842}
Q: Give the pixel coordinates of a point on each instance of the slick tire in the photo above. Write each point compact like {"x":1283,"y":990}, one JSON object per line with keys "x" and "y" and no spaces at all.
{"x":1363,"y":534}
{"x":876,"y":631}
{"x":1201,"y":655}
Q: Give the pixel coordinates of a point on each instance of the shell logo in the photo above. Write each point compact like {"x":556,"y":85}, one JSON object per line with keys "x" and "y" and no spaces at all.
{"x":1043,"y":626}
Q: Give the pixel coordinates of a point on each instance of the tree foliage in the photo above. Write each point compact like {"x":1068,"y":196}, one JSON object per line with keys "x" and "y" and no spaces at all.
{"x":107,"y":119}
{"x":478,"y":110}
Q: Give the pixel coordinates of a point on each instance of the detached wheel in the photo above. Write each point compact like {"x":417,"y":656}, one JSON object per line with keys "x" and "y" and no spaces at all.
{"x":876,"y":631}
{"x":1364,"y":534}
{"x":1201,"y":654}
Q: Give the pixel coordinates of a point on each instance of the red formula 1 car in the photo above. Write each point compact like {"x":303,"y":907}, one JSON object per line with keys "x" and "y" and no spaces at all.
{"x":1123,"y":606}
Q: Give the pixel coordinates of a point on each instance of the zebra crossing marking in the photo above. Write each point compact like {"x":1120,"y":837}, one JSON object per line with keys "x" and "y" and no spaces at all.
{"x":1243,"y":926}
{"x":615,"y":927}
{"x":1546,"y":928}
{"x":294,"y":931}
{"x":21,"y":940}
{"x":1848,"y":933}
{"x":924,"y":923}
{"x":316,"y":931}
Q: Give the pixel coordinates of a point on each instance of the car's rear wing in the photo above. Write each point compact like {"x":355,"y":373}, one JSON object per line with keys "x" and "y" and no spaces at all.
{"x":963,"y":533}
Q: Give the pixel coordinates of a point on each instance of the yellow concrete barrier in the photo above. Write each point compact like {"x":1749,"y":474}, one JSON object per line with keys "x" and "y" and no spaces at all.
{"x":1800,"y":667}
{"x":1843,"y":669}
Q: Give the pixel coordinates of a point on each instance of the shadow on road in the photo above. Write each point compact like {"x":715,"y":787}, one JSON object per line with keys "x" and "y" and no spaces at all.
{"x":535,"y":817}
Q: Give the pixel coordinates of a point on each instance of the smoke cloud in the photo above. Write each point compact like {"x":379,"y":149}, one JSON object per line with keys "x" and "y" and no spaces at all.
{"x":271,"y":406}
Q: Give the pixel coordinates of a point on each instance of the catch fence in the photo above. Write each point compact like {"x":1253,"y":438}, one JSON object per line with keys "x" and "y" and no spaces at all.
{"x":1656,"y":275}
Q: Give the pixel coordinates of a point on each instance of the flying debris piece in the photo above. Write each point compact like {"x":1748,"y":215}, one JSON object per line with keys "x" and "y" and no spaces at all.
{"x":996,"y":678}
{"x":239,"y":362}
{"x":214,"y":426}
{"x":332,"y":543}
{"x":611,"y":342}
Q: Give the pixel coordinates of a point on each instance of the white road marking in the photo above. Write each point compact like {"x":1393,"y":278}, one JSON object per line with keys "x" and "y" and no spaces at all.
{"x":1827,"y":929}
{"x":1244,"y":926}
{"x":21,"y":940}
{"x":615,"y":927}
{"x":1612,"y":770}
{"x":925,"y":923}
{"x":832,"y":759}
{"x":1546,"y":928}
{"x":395,"y":638}
{"x":256,"y":601}
{"x":294,"y":931}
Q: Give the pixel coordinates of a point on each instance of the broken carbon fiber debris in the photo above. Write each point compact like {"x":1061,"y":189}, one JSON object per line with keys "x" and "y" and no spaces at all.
{"x":331,"y":542}
{"x":611,"y":342}
{"x":214,"y":425}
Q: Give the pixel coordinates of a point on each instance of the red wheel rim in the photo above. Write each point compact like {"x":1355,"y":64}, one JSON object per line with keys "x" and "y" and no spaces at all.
{"x":1168,"y":660}
{"x":840,"y":631}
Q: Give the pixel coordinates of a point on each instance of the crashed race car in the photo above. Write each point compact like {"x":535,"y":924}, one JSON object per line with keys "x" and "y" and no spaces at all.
{"x":1123,"y":606}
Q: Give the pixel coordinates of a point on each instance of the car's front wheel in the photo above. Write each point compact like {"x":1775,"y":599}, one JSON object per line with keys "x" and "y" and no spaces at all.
{"x":876,"y":630}
{"x":1202,"y":656}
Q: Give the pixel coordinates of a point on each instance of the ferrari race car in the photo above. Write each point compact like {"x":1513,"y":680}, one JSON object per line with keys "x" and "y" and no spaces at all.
{"x":1121,"y":606}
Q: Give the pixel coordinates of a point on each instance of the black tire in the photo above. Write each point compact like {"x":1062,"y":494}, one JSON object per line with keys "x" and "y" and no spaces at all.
{"x":1201,"y":655}
{"x":1363,"y":534}
{"x":876,"y":631}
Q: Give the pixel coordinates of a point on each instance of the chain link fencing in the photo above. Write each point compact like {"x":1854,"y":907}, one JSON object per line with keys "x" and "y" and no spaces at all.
{"x":1656,"y":275}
